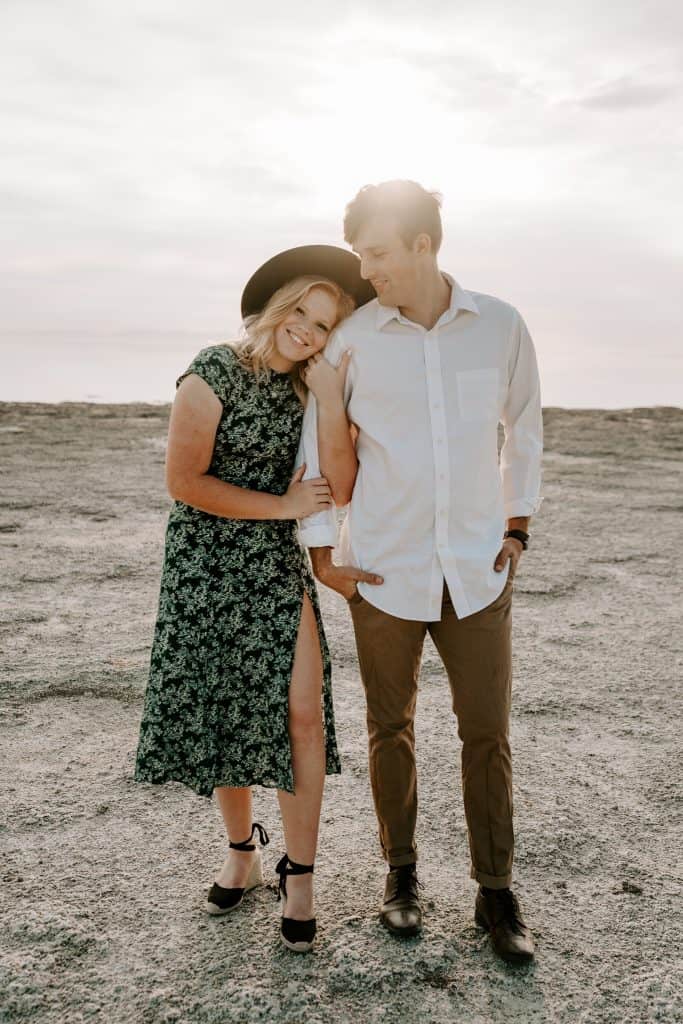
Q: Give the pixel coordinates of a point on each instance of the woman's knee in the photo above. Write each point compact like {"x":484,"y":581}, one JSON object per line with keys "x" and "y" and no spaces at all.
{"x":305,"y":720}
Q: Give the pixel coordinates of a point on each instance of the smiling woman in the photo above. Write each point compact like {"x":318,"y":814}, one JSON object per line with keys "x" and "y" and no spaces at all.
{"x":292,"y":302}
{"x":239,"y":691}
{"x":295,"y":325}
{"x":305,"y":329}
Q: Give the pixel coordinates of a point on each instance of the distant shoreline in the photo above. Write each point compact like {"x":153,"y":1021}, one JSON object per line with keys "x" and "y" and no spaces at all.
{"x":69,"y":404}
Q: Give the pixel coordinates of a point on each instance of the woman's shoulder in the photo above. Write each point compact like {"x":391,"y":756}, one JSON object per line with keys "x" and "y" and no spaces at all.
{"x":222,"y":354}
{"x":214,"y":365}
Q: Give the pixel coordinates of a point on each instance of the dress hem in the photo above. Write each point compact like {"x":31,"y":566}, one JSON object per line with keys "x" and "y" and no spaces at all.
{"x":208,"y":793}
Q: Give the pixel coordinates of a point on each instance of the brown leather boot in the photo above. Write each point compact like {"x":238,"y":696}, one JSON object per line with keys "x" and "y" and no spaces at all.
{"x":498,"y":911}
{"x":401,"y":911}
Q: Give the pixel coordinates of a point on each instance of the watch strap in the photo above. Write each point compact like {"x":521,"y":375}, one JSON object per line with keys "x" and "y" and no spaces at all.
{"x":519,"y":535}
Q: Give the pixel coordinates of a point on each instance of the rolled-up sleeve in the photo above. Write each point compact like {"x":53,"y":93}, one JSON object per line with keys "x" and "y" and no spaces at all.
{"x":320,"y":529}
{"x":521,"y":454}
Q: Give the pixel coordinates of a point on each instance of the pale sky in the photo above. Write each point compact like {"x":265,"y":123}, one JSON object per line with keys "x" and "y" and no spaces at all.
{"x":156,"y":152}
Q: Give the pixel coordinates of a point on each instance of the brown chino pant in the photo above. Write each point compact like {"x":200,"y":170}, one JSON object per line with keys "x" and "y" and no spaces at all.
{"x":476,"y":652}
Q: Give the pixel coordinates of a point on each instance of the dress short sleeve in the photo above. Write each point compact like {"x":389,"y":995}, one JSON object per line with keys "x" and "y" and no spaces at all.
{"x":214,"y":365}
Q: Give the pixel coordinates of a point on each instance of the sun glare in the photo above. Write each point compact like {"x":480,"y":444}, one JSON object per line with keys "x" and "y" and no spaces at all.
{"x":392,"y":119}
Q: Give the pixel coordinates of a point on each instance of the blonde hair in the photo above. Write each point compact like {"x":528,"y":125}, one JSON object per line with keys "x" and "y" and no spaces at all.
{"x":257,"y":342}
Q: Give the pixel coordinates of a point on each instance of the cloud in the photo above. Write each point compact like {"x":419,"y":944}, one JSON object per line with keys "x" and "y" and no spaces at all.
{"x":628,"y":92}
{"x":472,"y":81}
{"x":157,"y":152}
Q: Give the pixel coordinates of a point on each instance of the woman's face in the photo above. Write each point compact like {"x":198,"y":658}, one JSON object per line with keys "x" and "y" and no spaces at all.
{"x":305,"y":329}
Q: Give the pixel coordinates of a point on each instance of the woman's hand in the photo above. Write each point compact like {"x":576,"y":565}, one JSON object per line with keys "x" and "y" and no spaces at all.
{"x":326,"y":382}
{"x":304,"y":497}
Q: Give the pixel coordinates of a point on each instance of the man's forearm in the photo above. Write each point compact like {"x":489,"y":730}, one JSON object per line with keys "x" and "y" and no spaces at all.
{"x":337,"y":456}
{"x":321,"y":559}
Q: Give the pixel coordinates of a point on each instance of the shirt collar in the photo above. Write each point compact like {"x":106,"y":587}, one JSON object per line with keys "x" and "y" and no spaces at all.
{"x":460,"y":299}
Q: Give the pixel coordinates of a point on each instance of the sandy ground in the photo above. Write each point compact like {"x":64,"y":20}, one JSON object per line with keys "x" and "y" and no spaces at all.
{"x":104,"y":880}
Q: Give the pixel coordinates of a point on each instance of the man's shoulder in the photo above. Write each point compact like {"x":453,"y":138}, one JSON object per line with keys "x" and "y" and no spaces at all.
{"x":352,"y":330}
{"x":492,"y":306}
{"x":361,"y":319}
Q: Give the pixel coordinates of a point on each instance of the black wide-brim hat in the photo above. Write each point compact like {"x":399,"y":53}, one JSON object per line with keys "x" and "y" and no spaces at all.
{"x":339,"y":265}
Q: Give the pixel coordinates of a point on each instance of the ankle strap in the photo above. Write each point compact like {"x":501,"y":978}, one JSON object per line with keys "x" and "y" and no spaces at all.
{"x":247,"y":846}
{"x":285,"y":867}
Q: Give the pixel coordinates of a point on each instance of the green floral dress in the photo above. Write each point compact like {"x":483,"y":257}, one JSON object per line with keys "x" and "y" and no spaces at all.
{"x":216,"y":705}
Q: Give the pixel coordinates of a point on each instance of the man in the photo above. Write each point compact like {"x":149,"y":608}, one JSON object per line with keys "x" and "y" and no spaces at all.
{"x":431,"y":370}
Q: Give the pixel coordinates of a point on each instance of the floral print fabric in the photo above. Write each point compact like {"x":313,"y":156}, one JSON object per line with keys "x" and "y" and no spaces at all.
{"x":216,"y":704}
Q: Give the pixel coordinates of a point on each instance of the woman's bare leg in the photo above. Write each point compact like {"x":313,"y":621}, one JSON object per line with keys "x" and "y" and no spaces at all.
{"x":235,"y":806}
{"x":301,"y":810}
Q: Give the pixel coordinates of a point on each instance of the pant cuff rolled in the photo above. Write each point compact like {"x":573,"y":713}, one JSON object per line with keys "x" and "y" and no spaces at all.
{"x":400,"y":859}
{"x":491,"y":881}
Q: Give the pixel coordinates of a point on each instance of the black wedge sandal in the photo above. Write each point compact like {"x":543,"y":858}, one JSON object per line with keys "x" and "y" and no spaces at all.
{"x":221,"y":900}
{"x":296,"y":935}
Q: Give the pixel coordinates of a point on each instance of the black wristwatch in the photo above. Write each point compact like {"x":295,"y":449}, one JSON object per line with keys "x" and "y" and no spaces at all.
{"x":519,"y":535}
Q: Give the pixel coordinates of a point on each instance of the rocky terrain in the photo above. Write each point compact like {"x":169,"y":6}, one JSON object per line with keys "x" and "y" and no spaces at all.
{"x":104,"y":880}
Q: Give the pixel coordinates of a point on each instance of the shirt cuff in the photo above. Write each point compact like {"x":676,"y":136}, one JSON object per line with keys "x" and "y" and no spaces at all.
{"x":317,"y":536}
{"x":521,"y":507}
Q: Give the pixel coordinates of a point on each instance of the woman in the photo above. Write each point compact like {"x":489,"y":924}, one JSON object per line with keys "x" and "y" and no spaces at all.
{"x":239,"y":691}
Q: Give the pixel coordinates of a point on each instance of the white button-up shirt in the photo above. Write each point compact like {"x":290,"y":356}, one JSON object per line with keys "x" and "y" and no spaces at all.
{"x":432,"y":495}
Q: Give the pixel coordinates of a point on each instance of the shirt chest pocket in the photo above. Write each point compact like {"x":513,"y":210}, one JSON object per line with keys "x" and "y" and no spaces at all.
{"x":478,"y":394}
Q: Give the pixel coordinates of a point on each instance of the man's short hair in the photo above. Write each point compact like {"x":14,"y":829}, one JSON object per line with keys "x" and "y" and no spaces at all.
{"x":416,"y":210}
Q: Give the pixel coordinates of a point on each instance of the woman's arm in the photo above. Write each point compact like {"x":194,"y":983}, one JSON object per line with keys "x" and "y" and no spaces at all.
{"x":195,"y":416}
{"x":336,"y":451}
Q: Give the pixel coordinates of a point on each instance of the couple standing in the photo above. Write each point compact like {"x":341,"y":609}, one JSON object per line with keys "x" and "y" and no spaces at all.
{"x":399,"y":421}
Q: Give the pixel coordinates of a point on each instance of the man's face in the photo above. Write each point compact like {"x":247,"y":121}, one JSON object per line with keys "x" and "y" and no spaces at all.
{"x":391,"y":267}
